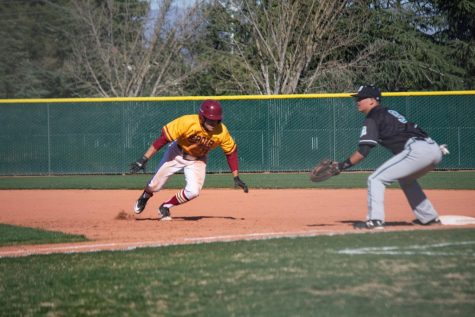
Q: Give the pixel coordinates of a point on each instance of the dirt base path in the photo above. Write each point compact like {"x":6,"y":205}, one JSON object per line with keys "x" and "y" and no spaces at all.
{"x":106,"y":217}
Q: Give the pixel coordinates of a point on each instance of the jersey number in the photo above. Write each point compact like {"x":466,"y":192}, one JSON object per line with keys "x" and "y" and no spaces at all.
{"x":398,"y":116}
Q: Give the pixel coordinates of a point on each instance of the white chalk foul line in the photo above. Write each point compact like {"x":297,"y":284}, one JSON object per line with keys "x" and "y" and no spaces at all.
{"x":129,"y":246}
{"x":25,"y":251}
{"x":255,"y":236}
{"x":409,"y":250}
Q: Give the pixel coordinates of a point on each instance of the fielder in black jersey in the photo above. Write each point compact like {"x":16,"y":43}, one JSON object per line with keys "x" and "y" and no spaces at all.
{"x":415,"y":154}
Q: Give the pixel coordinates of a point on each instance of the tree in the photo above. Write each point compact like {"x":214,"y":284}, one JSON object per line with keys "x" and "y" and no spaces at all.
{"x":32,"y":52}
{"x":409,"y":57}
{"x":457,"y":34}
{"x":282,"y":47}
{"x":109,"y":48}
{"x":119,"y":50}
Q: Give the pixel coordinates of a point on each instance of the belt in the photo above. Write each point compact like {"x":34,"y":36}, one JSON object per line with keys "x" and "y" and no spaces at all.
{"x":189,"y":157}
{"x":419,"y":138}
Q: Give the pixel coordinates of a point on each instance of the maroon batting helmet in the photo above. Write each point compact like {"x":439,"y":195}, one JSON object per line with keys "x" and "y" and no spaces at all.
{"x":211,"y":110}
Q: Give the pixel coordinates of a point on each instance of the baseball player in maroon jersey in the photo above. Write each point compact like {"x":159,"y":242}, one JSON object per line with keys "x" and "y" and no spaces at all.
{"x":190,"y":138}
{"x":415,"y":154}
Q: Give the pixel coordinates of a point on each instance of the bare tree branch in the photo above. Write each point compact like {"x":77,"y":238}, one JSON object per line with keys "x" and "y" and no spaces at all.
{"x":128,"y":51}
{"x":292,"y":41}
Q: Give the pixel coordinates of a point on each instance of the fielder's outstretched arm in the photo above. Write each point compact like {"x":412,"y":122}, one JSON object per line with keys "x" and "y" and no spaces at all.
{"x":356,"y":157}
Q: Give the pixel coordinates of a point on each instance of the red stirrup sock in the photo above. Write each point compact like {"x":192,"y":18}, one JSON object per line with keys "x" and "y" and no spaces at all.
{"x":178,"y":199}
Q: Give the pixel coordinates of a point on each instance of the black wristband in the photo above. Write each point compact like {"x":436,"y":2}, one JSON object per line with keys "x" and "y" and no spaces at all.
{"x":344,"y":165}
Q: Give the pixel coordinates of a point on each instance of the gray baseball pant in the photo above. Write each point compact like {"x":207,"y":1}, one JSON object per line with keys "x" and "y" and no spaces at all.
{"x":417,"y":159}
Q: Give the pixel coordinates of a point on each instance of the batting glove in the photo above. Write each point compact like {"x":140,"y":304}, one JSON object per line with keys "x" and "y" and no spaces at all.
{"x":138,"y":165}
{"x":240,"y":183}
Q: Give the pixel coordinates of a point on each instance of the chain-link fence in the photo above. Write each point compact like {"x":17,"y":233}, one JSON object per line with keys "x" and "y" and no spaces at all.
{"x":274,"y":133}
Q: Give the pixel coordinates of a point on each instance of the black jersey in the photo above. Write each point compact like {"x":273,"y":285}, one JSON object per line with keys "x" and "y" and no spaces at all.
{"x":388,"y":128}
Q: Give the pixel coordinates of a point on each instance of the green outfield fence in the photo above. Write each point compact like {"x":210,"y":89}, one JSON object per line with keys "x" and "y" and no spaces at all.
{"x":285,"y":133}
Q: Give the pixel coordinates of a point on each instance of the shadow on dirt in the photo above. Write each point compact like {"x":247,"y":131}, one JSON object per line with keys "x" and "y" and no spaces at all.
{"x":354,"y":222}
{"x":190,"y":218}
{"x":386,"y":224}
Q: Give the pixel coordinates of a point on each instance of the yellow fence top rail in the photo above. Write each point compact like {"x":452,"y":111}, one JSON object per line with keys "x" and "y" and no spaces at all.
{"x":242,"y":97}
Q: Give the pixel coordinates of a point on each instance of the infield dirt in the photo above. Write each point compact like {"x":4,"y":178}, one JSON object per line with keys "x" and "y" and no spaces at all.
{"x":106,"y":216}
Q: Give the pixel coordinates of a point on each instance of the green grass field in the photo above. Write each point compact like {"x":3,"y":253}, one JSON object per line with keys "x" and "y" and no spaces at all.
{"x":409,"y":273}
{"x":419,"y":273}
{"x":14,"y":235}
{"x":434,"y":180}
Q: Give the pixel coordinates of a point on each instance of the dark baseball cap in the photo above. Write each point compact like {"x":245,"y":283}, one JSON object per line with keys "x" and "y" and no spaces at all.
{"x":368,"y":92}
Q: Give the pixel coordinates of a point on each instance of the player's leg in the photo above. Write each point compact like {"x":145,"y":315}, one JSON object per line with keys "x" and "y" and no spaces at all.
{"x":166,"y":168}
{"x":377,"y":183}
{"x":426,"y":155}
{"x":421,"y":206}
{"x":417,"y":158}
{"x":397,"y":167}
{"x":195,"y":173}
{"x":391,"y":170}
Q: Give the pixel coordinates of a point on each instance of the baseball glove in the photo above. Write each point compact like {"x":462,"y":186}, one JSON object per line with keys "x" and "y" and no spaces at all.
{"x":324,"y":170}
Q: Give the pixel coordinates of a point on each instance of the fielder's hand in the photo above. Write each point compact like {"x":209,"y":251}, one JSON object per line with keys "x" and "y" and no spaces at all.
{"x":138,"y":165}
{"x":240,"y":183}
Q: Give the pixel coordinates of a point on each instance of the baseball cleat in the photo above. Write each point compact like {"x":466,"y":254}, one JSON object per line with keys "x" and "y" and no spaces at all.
{"x":140,"y":204}
{"x":369,"y":224}
{"x":435,"y":221}
{"x":164,"y":212}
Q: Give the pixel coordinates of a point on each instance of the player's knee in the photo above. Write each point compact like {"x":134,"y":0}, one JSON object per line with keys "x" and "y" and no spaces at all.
{"x":192,"y":193}
{"x":371,"y":178}
{"x":377,"y":179}
{"x":370,"y":181}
